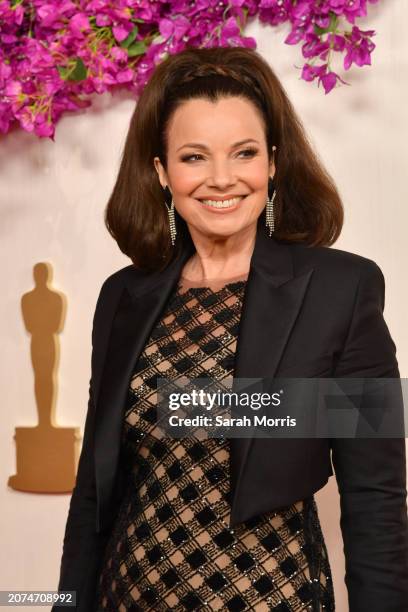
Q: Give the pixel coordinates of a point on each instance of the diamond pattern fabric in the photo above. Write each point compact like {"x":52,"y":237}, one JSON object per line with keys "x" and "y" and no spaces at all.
{"x":171,"y":548}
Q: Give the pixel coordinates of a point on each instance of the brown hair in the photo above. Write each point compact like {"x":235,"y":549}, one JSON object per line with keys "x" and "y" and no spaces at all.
{"x":308,"y":207}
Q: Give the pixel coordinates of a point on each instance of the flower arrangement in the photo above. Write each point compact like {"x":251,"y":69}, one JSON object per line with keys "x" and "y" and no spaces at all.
{"x":53,"y":54}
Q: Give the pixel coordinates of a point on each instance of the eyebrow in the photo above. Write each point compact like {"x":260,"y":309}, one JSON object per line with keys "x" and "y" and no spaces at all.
{"x":199,"y":145}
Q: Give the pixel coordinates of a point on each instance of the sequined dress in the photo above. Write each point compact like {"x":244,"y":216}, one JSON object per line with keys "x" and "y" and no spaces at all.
{"x":170,"y":548}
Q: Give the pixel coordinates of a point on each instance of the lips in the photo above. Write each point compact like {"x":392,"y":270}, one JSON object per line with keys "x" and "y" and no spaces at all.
{"x":222,"y":199}
{"x":222,"y":205}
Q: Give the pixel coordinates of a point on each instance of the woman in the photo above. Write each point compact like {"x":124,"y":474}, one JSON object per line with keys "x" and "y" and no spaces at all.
{"x":234,"y":277}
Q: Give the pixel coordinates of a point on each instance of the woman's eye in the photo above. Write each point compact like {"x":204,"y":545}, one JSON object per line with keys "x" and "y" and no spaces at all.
{"x":251,"y":152}
{"x":189,"y":157}
{"x":248,"y":152}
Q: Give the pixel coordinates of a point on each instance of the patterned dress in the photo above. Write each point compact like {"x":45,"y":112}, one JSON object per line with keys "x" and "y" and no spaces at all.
{"x":171,"y":548}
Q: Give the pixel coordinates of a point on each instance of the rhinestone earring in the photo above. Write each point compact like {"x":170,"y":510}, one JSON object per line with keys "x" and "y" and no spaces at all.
{"x":270,"y":221}
{"x":170,"y":211}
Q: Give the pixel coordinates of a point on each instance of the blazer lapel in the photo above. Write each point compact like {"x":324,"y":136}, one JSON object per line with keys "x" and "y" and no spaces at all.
{"x":272,"y":301}
{"x":140,"y":304}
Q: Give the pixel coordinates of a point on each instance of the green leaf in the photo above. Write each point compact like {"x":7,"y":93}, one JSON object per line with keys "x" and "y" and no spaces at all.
{"x":333,"y":22}
{"x":62,"y":72}
{"x":330,"y":28}
{"x":130,"y":38}
{"x":318,"y":30}
{"x":80,"y":72}
{"x":138,"y":48}
{"x":76,"y":73}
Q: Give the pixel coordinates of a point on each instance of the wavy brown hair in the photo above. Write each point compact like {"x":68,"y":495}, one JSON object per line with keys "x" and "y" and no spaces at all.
{"x":308,"y":207}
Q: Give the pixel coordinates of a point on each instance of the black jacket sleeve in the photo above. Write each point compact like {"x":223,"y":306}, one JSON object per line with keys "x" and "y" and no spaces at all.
{"x":83,"y":546}
{"x":371,"y":472}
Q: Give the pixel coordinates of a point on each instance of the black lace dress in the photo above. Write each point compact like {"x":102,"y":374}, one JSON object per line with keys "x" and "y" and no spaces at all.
{"x":171,"y":548}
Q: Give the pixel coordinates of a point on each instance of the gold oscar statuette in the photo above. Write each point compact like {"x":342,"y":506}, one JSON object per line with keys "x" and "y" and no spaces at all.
{"x":47,"y":455}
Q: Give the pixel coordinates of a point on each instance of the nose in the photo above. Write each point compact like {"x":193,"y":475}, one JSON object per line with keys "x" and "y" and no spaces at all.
{"x":221,"y":175}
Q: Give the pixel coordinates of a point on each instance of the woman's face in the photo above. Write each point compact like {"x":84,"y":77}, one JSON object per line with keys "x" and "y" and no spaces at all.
{"x":217,"y":152}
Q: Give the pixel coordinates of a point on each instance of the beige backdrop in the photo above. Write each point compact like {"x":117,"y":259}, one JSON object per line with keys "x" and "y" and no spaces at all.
{"x":52,"y":202}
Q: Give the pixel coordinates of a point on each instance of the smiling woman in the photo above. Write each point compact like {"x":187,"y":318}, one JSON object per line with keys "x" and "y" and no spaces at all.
{"x":216,"y":124}
{"x":226,"y":214}
{"x":220,"y":185}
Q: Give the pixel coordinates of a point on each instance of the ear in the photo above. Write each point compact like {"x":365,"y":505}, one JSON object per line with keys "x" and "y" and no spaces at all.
{"x":160,"y":171}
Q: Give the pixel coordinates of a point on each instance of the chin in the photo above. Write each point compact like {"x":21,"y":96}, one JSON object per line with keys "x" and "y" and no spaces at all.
{"x":212,"y":231}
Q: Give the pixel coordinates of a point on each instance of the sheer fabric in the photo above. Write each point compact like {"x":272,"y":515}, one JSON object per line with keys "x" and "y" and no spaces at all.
{"x":171,"y":547}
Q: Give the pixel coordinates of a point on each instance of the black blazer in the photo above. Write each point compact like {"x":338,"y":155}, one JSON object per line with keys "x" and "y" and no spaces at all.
{"x":307,"y":311}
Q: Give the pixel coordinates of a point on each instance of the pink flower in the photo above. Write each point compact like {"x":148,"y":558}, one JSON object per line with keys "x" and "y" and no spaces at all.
{"x":230,"y":28}
{"x":55,"y":54}
{"x":120,"y":33}
{"x":118,"y":54}
{"x":329,"y":80}
{"x":103,"y":20}
{"x":294,"y":37}
{"x":309,"y":73}
{"x":166,"y":28}
{"x":13,"y":88}
{"x":79,"y":23}
{"x":124,"y":76}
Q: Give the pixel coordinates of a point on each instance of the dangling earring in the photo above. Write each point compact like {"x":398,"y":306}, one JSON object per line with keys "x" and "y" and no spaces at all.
{"x":270,"y":221}
{"x":170,"y":211}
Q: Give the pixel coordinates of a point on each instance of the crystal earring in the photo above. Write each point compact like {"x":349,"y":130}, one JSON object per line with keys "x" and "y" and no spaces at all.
{"x":270,"y":221}
{"x":170,"y":211}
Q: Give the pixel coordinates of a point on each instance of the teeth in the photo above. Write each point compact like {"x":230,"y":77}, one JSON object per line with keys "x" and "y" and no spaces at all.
{"x":222,"y":204}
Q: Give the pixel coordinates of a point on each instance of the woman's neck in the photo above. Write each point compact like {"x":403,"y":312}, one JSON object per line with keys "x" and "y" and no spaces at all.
{"x":211,"y":263}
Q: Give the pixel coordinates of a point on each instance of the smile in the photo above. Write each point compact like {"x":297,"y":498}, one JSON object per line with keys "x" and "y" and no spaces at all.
{"x":222,"y":203}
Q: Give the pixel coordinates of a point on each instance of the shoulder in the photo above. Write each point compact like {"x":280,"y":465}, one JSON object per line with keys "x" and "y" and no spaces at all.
{"x":117,"y":280}
{"x":110,"y":292}
{"x":335,"y":263}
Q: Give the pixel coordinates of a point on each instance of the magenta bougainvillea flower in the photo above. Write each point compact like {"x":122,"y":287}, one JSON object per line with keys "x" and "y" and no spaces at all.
{"x":54,"y":54}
